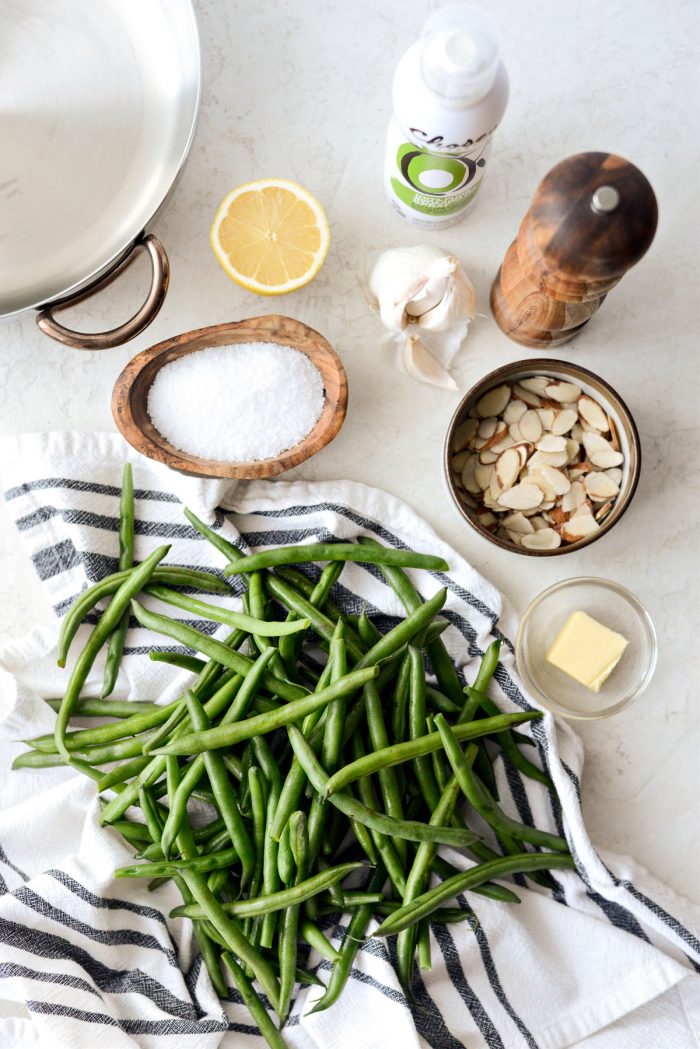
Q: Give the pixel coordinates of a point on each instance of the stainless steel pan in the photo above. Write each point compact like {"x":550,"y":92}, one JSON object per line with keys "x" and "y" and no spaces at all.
{"x":98,"y":106}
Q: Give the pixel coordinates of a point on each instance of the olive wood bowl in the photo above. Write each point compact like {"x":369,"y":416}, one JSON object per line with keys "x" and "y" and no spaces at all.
{"x":130,"y":395}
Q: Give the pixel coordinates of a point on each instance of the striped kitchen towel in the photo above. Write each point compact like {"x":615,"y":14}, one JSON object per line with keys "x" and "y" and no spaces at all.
{"x":607,"y":960}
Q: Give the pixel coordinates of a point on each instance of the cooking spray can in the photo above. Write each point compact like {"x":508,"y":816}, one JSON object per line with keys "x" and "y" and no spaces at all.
{"x":450,"y":93}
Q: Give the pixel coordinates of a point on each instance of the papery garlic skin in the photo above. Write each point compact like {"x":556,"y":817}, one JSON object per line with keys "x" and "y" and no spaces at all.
{"x":425,"y":299}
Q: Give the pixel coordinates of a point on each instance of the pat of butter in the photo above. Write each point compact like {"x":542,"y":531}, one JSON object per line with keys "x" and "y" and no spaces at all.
{"x":586,"y":650}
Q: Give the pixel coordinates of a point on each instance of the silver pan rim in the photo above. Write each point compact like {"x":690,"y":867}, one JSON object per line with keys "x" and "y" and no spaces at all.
{"x":125,"y":247}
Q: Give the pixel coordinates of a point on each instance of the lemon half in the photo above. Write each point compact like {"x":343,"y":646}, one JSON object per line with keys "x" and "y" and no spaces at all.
{"x":270,"y":236}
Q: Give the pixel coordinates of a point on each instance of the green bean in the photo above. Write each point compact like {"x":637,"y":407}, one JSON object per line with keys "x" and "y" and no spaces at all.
{"x":178,"y":805}
{"x":509,"y":744}
{"x":208,"y":677}
{"x":356,"y":931}
{"x":258,"y":801}
{"x":335,"y":711}
{"x":135,"y":833}
{"x":231,"y":933}
{"x":400,"y":700}
{"x":270,"y":877}
{"x":108,"y":621}
{"x":153,"y":815}
{"x":223,"y":793}
{"x":410,"y":830}
{"x":106,"y":708}
{"x":285,"y":857}
{"x":254,"y":1005}
{"x":397,"y":753}
{"x":321,"y":623}
{"x":230,"y":552}
{"x":178,"y":659}
{"x":131,"y":726}
{"x":394,"y":864}
{"x":441,"y":916}
{"x":121,"y":773}
{"x":212,"y":648}
{"x":489,"y":889}
{"x":315,"y":938}
{"x":277,"y":901}
{"x":115,"y":645}
{"x":103,"y":755}
{"x":258,"y":627}
{"x":368,"y":632}
{"x":355,"y":898}
{"x":417,"y":728}
{"x":439,"y":701}
{"x":479,"y":799}
{"x":429,"y":901}
{"x":210,"y":957}
{"x":289,"y":647}
{"x":210,"y":862}
{"x":229,"y":735}
{"x":87,"y":599}
{"x":379,"y":738}
{"x":289,"y":918}
{"x":286,"y":555}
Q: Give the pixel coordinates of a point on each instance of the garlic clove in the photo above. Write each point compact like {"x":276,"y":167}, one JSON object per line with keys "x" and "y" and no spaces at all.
{"x":414,"y":359}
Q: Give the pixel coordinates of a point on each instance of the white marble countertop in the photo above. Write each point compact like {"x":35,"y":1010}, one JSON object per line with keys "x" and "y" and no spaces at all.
{"x":303,"y":91}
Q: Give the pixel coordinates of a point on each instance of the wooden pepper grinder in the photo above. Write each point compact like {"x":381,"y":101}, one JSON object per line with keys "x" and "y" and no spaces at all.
{"x":592,"y":217}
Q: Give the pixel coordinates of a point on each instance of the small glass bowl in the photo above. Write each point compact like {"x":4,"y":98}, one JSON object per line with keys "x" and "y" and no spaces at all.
{"x":614,"y":607}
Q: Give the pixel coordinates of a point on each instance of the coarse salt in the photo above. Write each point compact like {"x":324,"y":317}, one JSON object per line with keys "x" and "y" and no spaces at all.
{"x":237,"y":403}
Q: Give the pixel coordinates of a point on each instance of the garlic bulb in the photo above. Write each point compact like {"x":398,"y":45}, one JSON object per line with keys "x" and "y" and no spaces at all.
{"x":425,"y":301}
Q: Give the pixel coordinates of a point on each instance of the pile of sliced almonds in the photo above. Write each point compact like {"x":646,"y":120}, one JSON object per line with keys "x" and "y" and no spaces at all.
{"x":538,"y":463}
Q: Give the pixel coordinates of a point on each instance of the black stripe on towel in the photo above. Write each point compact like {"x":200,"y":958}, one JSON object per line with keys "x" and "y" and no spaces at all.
{"x":47,"y":946}
{"x":85,"y":486}
{"x":453,"y":967}
{"x":162,"y":1027}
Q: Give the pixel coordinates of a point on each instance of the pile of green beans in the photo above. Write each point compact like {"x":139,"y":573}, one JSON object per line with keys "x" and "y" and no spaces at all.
{"x":332,"y":766}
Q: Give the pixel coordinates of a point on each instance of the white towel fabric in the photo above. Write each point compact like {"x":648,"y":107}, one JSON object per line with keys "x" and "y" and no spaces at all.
{"x":608,"y":961}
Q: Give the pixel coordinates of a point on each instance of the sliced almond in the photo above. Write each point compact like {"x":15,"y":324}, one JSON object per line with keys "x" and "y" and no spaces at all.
{"x":530,"y":426}
{"x":546,"y":416}
{"x":522,"y":496}
{"x":523,"y":450}
{"x":464,"y":434}
{"x":576,"y":432}
{"x":579,"y":470}
{"x":615,"y":474}
{"x":581,"y":524}
{"x":514,"y":537}
{"x":507,"y":468}
{"x":468,"y":500}
{"x":563,"y":392}
{"x":458,"y":461}
{"x":599,"y":487}
{"x":591,"y":413}
{"x":501,"y":446}
{"x":536,"y":384}
{"x":604,"y":460}
{"x":468,"y":478}
{"x":514,"y":429}
{"x":551,"y":443}
{"x":488,"y":456}
{"x":513,"y":411}
{"x":555,"y":459}
{"x":536,"y":477}
{"x":557,"y":481}
{"x":614,"y":439}
{"x":527,"y":396}
{"x":485,"y":518}
{"x":493,"y":402}
{"x":482,"y":475}
{"x":538,"y":522}
{"x":573,"y":449}
{"x":487,"y":428}
{"x":498,"y":435}
{"x":594,"y":442}
{"x":518,"y":522}
{"x":544,"y":539}
{"x":563,"y":421}
{"x":557,"y":516}
{"x":575,"y":497}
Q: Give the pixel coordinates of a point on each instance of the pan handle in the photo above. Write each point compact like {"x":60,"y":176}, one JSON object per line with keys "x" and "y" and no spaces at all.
{"x":160,"y":278}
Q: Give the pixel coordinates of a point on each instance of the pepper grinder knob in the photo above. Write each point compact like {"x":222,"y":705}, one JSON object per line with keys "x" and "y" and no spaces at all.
{"x":592,"y":218}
